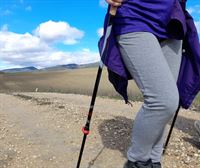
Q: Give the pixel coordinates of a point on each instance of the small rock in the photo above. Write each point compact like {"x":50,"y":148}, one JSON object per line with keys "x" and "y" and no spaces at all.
{"x":34,"y":156}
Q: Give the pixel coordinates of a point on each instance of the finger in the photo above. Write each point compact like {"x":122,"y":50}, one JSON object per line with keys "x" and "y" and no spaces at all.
{"x":114,"y":2}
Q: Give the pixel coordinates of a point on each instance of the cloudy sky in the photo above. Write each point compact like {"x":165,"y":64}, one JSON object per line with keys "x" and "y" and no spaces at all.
{"x":44,"y":33}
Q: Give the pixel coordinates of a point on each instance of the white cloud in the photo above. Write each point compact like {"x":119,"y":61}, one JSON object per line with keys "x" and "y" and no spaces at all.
{"x":51,"y":32}
{"x":100,"y":32}
{"x":20,"y":43}
{"x":19,"y":50}
{"x":197,"y":23}
{"x":4,"y":27}
{"x":103,"y":3}
{"x":6,"y":12}
{"x":28,"y":8}
{"x":193,"y":10}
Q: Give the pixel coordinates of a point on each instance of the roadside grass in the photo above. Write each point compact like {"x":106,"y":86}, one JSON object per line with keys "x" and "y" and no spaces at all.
{"x":78,"y":81}
{"x":196,"y":103}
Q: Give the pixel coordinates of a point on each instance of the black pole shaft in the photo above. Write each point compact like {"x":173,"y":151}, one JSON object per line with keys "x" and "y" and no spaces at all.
{"x":86,"y":128}
{"x":171,"y":128}
{"x":87,"y":125}
{"x":81,"y":151}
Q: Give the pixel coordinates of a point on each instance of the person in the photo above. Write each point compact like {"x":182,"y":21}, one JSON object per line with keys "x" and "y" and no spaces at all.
{"x":152,"y":57}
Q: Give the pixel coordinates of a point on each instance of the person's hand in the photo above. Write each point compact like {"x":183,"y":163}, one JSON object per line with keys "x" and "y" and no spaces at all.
{"x":114,"y":2}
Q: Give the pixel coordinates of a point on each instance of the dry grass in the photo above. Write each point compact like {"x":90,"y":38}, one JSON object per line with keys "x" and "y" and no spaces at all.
{"x":79,"y":81}
{"x":196,"y":103}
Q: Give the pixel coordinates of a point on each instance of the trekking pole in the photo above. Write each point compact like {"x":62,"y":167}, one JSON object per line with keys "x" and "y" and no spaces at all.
{"x":86,"y":128}
{"x":171,"y":128}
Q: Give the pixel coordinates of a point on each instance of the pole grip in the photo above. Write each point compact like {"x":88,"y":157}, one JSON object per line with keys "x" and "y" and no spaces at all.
{"x":113,"y":10}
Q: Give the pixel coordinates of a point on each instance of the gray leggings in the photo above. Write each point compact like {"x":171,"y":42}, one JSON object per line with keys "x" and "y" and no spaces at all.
{"x":154,"y":66}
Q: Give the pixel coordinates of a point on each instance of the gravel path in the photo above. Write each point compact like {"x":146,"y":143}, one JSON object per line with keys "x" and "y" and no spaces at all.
{"x":43,"y":130}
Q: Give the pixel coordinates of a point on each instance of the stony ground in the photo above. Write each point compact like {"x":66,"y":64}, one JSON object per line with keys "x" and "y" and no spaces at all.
{"x":43,"y":130}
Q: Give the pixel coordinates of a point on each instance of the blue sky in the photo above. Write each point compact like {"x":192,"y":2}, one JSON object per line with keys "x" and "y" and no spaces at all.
{"x":44,"y":33}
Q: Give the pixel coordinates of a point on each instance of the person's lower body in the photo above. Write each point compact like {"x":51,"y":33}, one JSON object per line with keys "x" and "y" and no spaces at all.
{"x":154,"y":66}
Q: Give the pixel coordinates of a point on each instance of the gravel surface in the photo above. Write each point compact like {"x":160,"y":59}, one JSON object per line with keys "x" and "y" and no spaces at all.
{"x":43,"y":130}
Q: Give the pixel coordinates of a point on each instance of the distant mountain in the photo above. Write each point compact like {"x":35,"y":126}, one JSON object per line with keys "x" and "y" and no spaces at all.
{"x":70,"y":66}
{"x":95,"y":64}
{"x":61,"y":67}
{"x":25,"y":69}
{"x":53,"y":68}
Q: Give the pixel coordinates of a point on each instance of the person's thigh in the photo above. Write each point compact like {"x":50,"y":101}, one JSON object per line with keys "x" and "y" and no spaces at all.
{"x":144,"y":59}
{"x":172,"y":50}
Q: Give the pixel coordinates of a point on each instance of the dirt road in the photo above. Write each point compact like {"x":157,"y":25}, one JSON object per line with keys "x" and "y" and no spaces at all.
{"x":43,"y":130}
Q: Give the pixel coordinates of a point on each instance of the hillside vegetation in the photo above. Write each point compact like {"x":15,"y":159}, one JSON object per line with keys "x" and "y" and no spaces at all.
{"x":78,"y":81}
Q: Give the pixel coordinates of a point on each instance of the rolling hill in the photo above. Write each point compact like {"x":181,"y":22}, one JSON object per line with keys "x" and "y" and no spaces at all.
{"x":53,"y":68}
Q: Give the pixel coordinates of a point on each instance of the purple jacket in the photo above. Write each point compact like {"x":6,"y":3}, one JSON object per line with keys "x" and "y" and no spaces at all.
{"x":180,"y":26}
{"x":143,"y":15}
